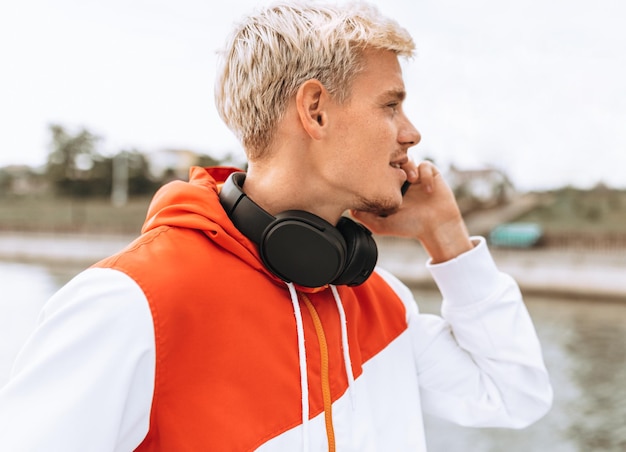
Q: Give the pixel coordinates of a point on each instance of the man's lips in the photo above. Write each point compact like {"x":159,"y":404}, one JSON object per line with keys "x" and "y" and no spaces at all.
{"x":398,"y":162}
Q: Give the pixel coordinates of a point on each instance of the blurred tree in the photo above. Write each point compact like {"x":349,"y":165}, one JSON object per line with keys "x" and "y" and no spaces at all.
{"x":139,"y":180}
{"x":6,"y":182}
{"x":74,"y":166}
{"x":205,"y":160}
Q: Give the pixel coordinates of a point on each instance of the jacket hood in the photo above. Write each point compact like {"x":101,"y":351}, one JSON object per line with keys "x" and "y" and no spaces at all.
{"x":195,"y":205}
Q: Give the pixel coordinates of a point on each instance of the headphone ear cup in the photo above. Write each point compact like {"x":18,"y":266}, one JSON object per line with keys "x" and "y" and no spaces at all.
{"x":362,"y":253}
{"x":298,"y":246}
{"x":303,"y":248}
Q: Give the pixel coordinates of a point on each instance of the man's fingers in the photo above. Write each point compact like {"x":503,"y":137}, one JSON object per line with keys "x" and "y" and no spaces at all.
{"x":427,"y":173}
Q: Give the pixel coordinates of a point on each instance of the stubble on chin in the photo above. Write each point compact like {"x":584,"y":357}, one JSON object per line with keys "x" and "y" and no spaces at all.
{"x":380,"y":207}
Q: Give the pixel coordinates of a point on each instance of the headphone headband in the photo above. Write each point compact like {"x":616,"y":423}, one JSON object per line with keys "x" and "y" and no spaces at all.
{"x":246,"y":215}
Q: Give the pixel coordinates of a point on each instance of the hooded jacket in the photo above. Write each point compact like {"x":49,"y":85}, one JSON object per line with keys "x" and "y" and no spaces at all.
{"x":207,"y":350}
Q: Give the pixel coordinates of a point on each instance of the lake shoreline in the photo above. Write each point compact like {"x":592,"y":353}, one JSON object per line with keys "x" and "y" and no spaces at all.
{"x":566,"y":273}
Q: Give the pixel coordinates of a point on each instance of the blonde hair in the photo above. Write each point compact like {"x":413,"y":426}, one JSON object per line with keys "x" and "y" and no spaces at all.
{"x":271,"y":53}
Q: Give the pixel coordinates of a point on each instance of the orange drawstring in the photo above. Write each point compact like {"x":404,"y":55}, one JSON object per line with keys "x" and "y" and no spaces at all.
{"x":326,"y":397}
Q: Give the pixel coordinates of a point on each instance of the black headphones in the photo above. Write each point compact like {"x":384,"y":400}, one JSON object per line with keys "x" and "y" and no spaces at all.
{"x":300,"y":247}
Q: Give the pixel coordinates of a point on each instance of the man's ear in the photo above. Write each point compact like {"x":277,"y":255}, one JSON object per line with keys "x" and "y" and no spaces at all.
{"x":311,"y":101}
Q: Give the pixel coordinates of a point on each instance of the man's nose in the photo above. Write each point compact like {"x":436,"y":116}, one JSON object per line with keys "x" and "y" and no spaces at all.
{"x":409,"y":135}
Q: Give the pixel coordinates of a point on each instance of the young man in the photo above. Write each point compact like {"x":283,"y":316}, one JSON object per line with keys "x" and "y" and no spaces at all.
{"x":249,"y":315}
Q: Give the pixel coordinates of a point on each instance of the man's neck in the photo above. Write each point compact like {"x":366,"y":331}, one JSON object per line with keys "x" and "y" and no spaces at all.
{"x":277,"y":188}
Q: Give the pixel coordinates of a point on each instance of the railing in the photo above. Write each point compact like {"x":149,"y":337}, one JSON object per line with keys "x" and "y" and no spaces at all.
{"x":611,"y":241}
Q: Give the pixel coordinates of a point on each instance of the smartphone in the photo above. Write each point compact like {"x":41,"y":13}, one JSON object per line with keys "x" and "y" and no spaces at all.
{"x":405,"y":187}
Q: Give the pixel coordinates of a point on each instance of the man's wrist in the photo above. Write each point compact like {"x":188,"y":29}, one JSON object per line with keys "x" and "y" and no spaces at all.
{"x":447,"y":242}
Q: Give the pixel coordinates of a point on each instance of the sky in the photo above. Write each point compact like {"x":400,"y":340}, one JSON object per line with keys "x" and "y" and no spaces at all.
{"x":535,"y":88}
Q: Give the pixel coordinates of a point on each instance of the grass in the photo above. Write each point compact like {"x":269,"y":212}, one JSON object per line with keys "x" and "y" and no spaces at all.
{"x":51,"y":214}
{"x":598,"y":211}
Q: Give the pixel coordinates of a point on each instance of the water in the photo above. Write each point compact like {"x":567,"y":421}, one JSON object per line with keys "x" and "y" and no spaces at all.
{"x":584,"y":348}
{"x":25,"y":288}
{"x":584,"y":345}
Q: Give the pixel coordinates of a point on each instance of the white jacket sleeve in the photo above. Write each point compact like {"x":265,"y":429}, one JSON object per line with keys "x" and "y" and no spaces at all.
{"x":84,"y":380}
{"x":481,"y":363}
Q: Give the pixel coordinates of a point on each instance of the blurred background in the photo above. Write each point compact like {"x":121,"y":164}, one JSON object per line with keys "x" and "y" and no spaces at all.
{"x":521,"y":105}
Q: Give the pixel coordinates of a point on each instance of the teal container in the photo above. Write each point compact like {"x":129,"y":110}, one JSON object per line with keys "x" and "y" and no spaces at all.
{"x":516,"y":235}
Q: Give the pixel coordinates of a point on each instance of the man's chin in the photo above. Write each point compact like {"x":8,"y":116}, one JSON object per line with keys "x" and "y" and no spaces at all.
{"x":381,"y":207}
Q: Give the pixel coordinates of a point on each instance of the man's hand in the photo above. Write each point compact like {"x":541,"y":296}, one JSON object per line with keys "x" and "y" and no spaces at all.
{"x":429,"y":213}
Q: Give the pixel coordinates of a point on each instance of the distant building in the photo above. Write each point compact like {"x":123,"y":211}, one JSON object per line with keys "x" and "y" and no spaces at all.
{"x":480,"y":188}
{"x":22,"y":180}
{"x":171,"y":163}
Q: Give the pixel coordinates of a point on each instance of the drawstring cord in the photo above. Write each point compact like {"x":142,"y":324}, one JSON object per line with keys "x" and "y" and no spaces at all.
{"x":344,"y":345}
{"x":304,"y":385}
{"x":324,"y":373}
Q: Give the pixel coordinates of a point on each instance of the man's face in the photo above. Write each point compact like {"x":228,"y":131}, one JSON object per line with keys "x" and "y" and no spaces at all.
{"x":370,"y":136}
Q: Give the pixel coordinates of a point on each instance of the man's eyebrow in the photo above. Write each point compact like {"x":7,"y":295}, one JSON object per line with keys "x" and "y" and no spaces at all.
{"x":396,"y":94}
